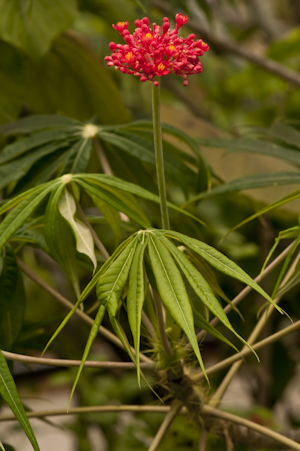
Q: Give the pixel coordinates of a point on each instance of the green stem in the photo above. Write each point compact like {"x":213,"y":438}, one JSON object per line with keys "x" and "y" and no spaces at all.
{"x":159,"y":157}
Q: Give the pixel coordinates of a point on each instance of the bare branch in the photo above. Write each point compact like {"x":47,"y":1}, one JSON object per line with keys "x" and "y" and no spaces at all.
{"x":91,"y":409}
{"x":71,"y":363}
{"x":246,"y":432}
{"x":172,"y":414}
{"x":239,"y":356}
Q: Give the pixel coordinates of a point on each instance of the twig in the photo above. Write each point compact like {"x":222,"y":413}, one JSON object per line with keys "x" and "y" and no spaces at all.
{"x":87,"y":319}
{"x":72,"y":363}
{"x":216,"y":398}
{"x":237,"y":49}
{"x":172,"y":414}
{"x":251,"y":425}
{"x":245,"y":431}
{"x":91,"y":409}
{"x":203,"y":440}
{"x":240,"y":356}
{"x":247,"y":290}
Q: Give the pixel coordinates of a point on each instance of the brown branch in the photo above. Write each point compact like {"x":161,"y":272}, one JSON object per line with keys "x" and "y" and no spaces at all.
{"x":172,"y":414}
{"x":237,"y":49}
{"x":248,"y":433}
{"x":71,"y":363}
{"x":213,"y":421}
{"x":234,"y":358}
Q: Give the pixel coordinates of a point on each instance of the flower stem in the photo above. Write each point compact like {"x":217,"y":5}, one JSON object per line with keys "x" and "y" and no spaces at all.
{"x":159,"y":157}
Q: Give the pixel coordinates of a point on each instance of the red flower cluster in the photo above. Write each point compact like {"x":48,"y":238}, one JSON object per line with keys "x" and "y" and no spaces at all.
{"x":149,"y":53}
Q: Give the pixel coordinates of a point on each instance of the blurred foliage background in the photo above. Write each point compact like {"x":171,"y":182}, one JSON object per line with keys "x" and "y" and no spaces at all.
{"x":52,"y":63}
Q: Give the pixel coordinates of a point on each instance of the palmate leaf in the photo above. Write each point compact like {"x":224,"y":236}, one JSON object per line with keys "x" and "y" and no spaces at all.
{"x":18,"y":167}
{"x":59,"y":239}
{"x":111,"y":285}
{"x":250,"y":182}
{"x":10,"y":395}
{"x":89,"y":288}
{"x":83,"y":236}
{"x":201,"y":322}
{"x":200,"y":286}
{"x":127,"y":187}
{"x":136,"y":295}
{"x":143,"y":149}
{"x":79,"y":157}
{"x":182,"y":136}
{"x":12,"y":299}
{"x":31,"y":26}
{"x":220,"y":262}
{"x":172,"y":291}
{"x":278,"y":203}
{"x":37,"y":122}
{"x":24,"y":145}
{"x":125,"y":203}
{"x":21,"y":212}
{"x":110,"y":214}
{"x":282,"y":132}
{"x":253,"y":146}
{"x":197,"y":282}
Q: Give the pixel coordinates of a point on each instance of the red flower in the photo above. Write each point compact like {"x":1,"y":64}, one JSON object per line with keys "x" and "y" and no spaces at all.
{"x":156,"y":52}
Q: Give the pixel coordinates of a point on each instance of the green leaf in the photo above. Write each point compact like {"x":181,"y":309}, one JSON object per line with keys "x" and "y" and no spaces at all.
{"x":278,"y":203}
{"x":136,"y":295}
{"x":21,"y":212}
{"x":182,"y":136}
{"x":197,"y":282}
{"x":59,"y":239}
{"x":128,"y":188}
{"x":103,"y":268}
{"x":23,"y":145}
{"x":119,"y":331}
{"x":79,"y":157}
{"x":15,"y":169}
{"x":124,"y":203}
{"x":83,"y":236}
{"x":143,"y":149}
{"x":10,"y":395}
{"x":92,"y":335}
{"x":12,"y":299}
{"x":33,"y":28}
{"x":8,"y":204}
{"x":253,"y":146}
{"x":41,"y":172}
{"x":76,"y":82}
{"x":89,"y":287}
{"x":250,"y":182}
{"x":172,"y":291}
{"x":200,"y":286}
{"x":201,"y":322}
{"x":38,"y":122}
{"x":284,"y":132}
{"x":220,"y":262}
{"x":110,"y":214}
{"x":112,"y":283}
